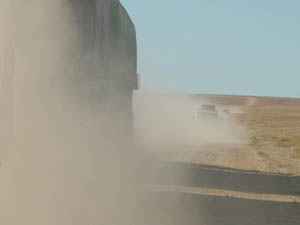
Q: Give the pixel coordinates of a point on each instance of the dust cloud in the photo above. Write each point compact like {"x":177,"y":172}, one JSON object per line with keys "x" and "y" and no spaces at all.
{"x":167,"y":122}
{"x":67,"y":165}
{"x":63,"y":167}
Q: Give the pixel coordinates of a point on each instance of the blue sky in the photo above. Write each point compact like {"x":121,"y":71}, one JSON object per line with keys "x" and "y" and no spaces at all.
{"x":243,"y":47}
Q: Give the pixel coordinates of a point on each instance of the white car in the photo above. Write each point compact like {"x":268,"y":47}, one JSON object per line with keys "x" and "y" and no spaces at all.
{"x":207,"y":112}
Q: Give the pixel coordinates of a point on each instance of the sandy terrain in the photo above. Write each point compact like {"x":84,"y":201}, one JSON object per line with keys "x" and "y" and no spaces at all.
{"x":243,"y":169}
{"x":273,"y":136}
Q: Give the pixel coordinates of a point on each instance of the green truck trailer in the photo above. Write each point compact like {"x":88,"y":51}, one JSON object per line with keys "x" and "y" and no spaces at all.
{"x":107,"y":55}
{"x":103,"y":61}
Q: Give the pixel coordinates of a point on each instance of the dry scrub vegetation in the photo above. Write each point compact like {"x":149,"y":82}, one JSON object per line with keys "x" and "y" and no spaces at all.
{"x":263,"y":132}
{"x":274,"y":124}
{"x":273,"y":135}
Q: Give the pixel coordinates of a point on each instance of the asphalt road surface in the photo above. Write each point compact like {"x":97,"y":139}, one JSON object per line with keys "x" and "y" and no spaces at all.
{"x":189,"y":194}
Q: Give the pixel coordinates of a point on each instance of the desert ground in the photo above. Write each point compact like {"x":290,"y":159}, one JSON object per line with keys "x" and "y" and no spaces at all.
{"x":251,"y":179}
{"x":272,"y":142}
{"x":274,"y":133}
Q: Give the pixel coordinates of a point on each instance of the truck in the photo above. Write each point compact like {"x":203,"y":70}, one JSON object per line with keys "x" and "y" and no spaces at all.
{"x":104,"y":62}
{"x":107,"y":55}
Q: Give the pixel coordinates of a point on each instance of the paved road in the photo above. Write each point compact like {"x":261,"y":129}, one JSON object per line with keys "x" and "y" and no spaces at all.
{"x":196,"y":175}
{"x":190,"y":198}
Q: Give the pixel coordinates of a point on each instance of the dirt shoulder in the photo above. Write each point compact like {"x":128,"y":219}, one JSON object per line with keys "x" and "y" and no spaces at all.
{"x":274,"y":126}
{"x":273,"y":136}
{"x":223,"y":193}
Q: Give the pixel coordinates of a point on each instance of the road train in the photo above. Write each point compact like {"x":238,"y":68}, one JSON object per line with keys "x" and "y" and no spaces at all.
{"x":107,"y":54}
{"x":103,"y":61}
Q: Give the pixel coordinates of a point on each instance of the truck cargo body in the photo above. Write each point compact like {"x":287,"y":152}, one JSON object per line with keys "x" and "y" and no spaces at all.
{"x":100,"y":69}
{"x":107,"y":43}
{"x":107,"y":55}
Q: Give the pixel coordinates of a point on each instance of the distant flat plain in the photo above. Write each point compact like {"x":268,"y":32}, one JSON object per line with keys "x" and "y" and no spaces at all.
{"x":273,"y":127}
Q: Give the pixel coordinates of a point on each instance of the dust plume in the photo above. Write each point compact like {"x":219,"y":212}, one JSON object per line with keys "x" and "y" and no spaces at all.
{"x":69,"y":163}
{"x":167,"y":122}
{"x":63,"y":167}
